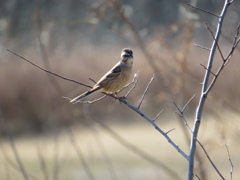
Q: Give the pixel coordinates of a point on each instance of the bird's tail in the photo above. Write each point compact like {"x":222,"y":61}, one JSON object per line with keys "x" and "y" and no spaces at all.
{"x":84,"y":95}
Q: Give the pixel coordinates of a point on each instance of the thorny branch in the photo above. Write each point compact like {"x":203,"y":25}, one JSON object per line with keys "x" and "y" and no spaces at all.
{"x":137,"y":109}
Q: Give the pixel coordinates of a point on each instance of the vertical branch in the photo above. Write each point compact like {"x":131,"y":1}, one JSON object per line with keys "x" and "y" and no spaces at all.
{"x":100,"y":144}
{"x":42,"y":163}
{"x":79,"y":154}
{"x":14,"y":149}
{"x":203,"y":96}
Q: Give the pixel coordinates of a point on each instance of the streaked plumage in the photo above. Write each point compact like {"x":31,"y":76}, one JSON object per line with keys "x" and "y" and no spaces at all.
{"x":114,"y":80}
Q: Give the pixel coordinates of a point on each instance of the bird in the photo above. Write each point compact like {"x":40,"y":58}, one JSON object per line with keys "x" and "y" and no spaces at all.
{"x":115,"y":79}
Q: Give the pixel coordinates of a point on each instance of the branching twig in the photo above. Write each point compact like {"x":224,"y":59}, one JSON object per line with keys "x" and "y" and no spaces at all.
{"x":124,"y":100}
{"x":210,"y":160}
{"x":181,"y":112}
{"x":229,"y":158}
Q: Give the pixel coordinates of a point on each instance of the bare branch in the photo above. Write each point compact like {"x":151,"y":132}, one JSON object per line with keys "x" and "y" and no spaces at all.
{"x":200,"y":9}
{"x":226,"y":60}
{"x":47,"y":71}
{"x":205,"y":90}
{"x":144,"y":94}
{"x":229,"y":158}
{"x":210,"y":160}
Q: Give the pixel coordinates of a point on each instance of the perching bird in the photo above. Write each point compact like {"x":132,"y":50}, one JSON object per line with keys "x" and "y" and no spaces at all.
{"x":115,"y":79}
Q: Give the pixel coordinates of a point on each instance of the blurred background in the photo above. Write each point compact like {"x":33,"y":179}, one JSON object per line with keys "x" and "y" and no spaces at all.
{"x":43,"y":136}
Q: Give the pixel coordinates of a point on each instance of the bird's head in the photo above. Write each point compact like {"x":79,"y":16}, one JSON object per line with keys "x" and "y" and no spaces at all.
{"x":127,"y":56}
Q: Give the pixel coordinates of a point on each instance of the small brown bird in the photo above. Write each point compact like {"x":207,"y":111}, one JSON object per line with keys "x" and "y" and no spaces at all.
{"x":115,"y":79}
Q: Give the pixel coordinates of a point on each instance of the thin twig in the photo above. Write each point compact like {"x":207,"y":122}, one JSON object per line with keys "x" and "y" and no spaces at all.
{"x":158,"y":115}
{"x":200,"y":46}
{"x":219,"y":49}
{"x":184,"y":107}
{"x":200,"y":9}
{"x":91,"y":102}
{"x":144,"y":94}
{"x":134,"y":82}
{"x":47,"y":71}
{"x":210,"y":160}
{"x":197,"y":177}
{"x":208,"y":69}
{"x":229,"y":158}
{"x":226,"y":60}
{"x":170,"y":130}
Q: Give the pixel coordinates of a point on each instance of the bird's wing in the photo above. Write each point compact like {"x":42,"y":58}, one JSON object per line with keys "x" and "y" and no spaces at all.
{"x":109,"y":76}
